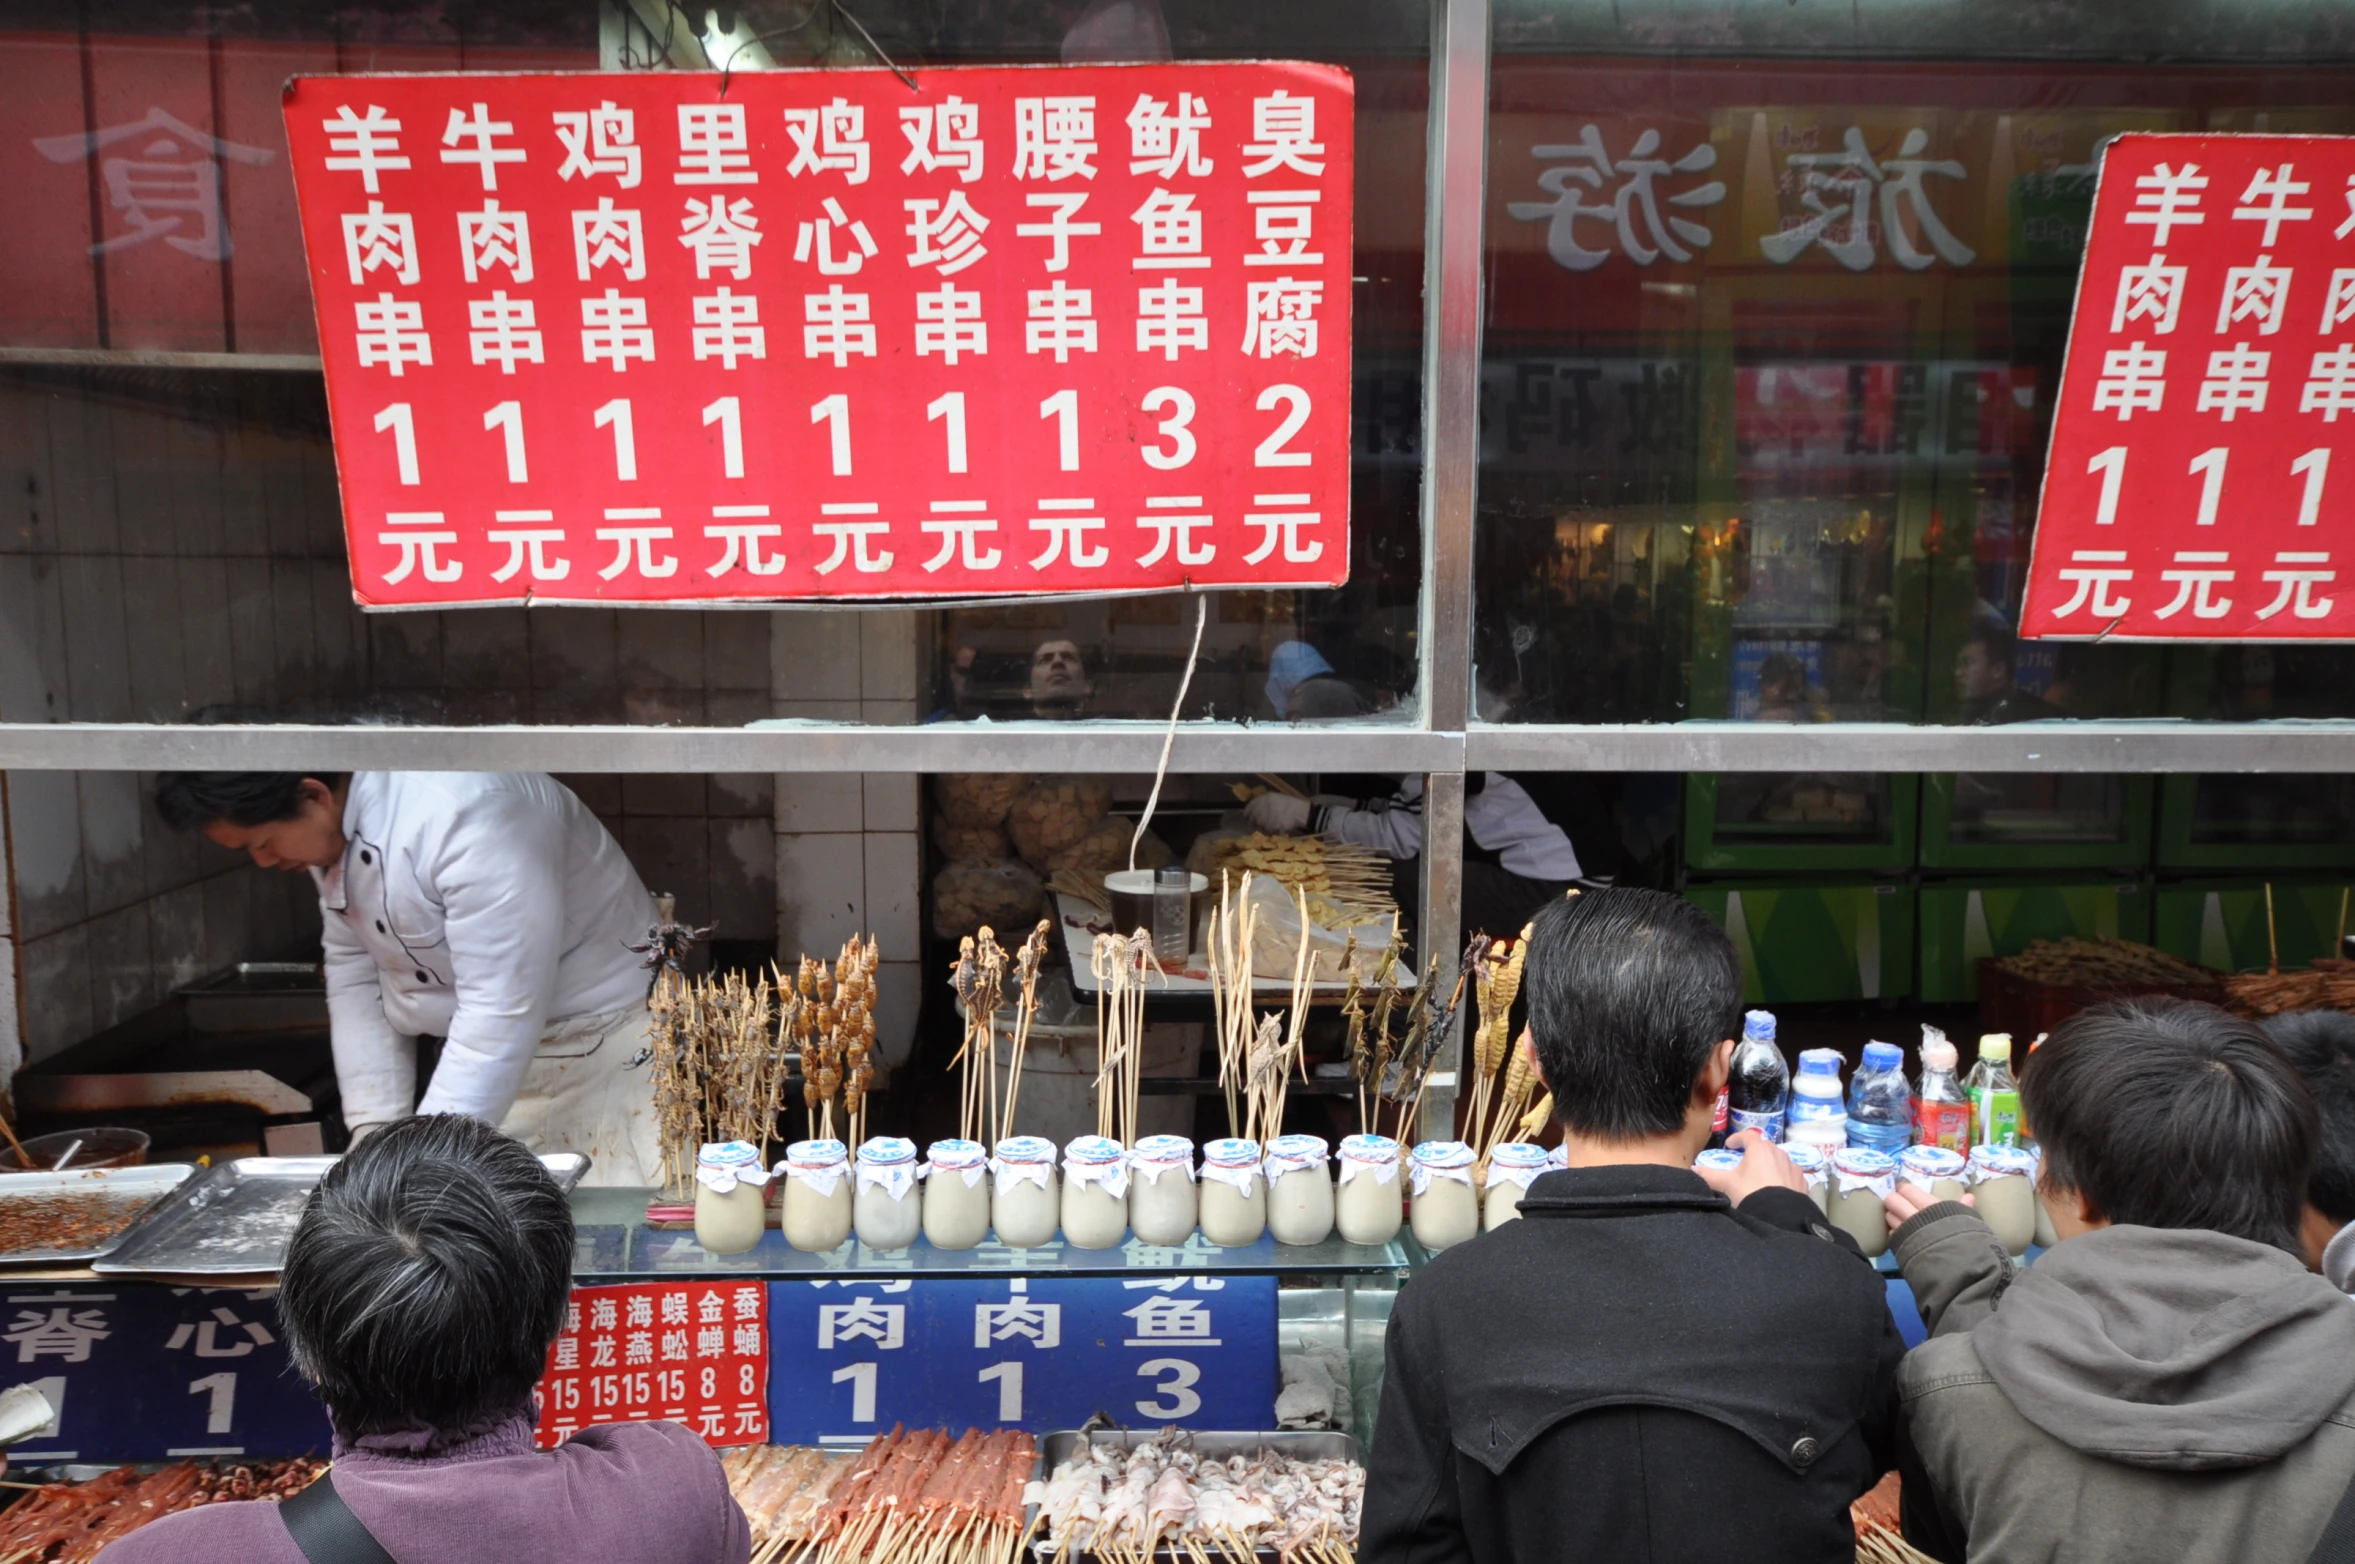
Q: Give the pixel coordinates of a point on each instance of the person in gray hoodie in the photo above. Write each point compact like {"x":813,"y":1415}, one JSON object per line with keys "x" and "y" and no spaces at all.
{"x":2321,"y":1044}
{"x":2168,"y":1382}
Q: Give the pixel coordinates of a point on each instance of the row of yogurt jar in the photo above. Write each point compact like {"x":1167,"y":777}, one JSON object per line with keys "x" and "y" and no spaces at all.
{"x":1105,"y":1192}
{"x":1852,"y":1184}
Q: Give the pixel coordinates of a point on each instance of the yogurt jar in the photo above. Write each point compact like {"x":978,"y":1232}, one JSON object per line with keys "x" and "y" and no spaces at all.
{"x":956,"y":1194}
{"x":817,"y":1195}
{"x":1299,"y":1190}
{"x":1511,"y":1169}
{"x":1861,"y":1179}
{"x":1369,"y":1207}
{"x":1095,"y":1192}
{"x":1935,"y":1169}
{"x":1161,"y":1207}
{"x":1814,"y":1167}
{"x":1447,"y":1208}
{"x":1024,"y":1205}
{"x":1233,"y":1194}
{"x":731,"y":1196}
{"x":887,"y":1210}
{"x":2003,"y":1182}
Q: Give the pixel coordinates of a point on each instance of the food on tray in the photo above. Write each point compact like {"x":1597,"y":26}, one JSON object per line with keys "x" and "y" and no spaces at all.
{"x":2105,"y":963}
{"x":922,"y":1495}
{"x":67,"y":1523}
{"x":780,"y":1489}
{"x":1160,"y":1492}
{"x":1347,"y":885}
{"x":44,"y":1224}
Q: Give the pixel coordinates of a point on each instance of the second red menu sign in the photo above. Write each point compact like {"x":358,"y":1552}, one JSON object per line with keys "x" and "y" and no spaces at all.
{"x":670,"y":337}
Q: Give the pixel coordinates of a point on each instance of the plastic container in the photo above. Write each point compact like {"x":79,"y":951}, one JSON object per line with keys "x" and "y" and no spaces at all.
{"x":1512,"y":1168}
{"x":817,"y":1203}
{"x":1880,"y":1103}
{"x":887,"y":1210}
{"x":1718,"y":1159}
{"x":1759,"y":1089}
{"x":1995,"y":1095}
{"x":1370,"y":1205}
{"x":1173,"y":911}
{"x":1942,"y":1109}
{"x":956,"y":1194}
{"x":1299,"y":1190}
{"x":1024,"y":1203}
{"x":1942,"y":1172}
{"x":1861,"y":1180}
{"x":1161,"y":1199}
{"x":1447,"y":1208}
{"x":731,"y":1197}
{"x":1819,"y":1111}
{"x":2003,"y":1185}
{"x":1815,"y":1166}
{"x":1233,"y":1193}
{"x":1095,"y":1193}
{"x":78,"y":1150}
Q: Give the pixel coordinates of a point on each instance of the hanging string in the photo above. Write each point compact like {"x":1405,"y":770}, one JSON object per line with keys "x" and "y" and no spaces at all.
{"x":1169,"y":738}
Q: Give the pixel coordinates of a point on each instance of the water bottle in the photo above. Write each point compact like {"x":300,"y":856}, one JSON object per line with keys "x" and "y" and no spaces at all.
{"x":1819,"y":1113}
{"x":1880,"y":1103}
{"x":1759,"y":1091}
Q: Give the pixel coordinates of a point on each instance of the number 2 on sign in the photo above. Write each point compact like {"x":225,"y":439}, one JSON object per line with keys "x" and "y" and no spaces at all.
{"x":861,"y":1377}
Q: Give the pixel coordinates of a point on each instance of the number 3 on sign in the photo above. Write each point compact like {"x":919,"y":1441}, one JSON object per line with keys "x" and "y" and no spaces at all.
{"x":1174,"y":1379}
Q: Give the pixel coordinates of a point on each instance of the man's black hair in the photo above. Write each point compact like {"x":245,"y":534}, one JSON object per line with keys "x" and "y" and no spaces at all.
{"x":2321,"y":1048}
{"x":2001,"y":645}
{"x":1629,"y":990}
{"x":427,"y":1278}
{"x":2171,"y":1113}
{"x":192,"y":800}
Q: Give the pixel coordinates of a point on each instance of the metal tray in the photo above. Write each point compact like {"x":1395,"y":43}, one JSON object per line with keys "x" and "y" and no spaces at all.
{"x":238,"y":1218}
{"x":1301,"y":1444}
{"x":145,"y":1187}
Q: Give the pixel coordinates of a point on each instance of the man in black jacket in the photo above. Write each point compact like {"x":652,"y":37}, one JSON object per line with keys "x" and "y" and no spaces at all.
{"x":1645,"y":1367}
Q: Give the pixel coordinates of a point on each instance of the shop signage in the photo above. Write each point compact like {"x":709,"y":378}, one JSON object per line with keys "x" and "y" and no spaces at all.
{"x":853,"y":1357}
{"x":2190,"y":493}
{"x":156,"y":1373}
{"x":695,"y":1353}
{"x":674,"y":337}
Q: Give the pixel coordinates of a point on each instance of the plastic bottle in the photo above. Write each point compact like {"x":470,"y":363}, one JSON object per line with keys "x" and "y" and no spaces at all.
{"x":1942,"y":1109}
{"x":1995,"y":1096}
{"x":1880,"y":1103}
{"x":1759,"y":1091}
{"x":1819,"y":1115}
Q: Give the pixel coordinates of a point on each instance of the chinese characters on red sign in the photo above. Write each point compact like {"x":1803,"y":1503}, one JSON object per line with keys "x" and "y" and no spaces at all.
{"x":662,"y":338}
{"x":695,"y":1353}
{"x":2189,"y":490}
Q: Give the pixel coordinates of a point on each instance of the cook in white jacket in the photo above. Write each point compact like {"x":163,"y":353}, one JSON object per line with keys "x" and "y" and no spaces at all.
{"x":491,"y":910}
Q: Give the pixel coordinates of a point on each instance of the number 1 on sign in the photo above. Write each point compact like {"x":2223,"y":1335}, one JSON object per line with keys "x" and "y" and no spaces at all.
{"x":625,"y":441}
{"x":1064,"y":406}
{"x":2315,"y":466}
{"x":220,"y":1409}
{"x":404,"y":433}
{"x":835,"y":410}
{"x":508,"y":418}
{"x":952,"y":408}
{"x":2111,"y":464}
{"x":2209,"y":464}
{"x":728,"y":414}
{"x":861,"y":1376}
{"x":1009,"y":1378}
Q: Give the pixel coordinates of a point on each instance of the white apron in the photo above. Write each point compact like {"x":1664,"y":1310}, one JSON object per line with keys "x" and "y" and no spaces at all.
{"x":589,"y":1088}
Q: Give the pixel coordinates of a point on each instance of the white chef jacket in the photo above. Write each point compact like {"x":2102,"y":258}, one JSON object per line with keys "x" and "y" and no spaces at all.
{"x":1502,"y":818}
{"x":478,"y":907}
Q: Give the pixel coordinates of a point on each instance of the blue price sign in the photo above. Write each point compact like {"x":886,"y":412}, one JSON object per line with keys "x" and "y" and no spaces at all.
{"x":154,"y":1373}
{"x":851,"y":1357}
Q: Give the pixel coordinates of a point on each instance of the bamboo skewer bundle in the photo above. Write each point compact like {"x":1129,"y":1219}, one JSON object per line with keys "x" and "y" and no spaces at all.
{"x":1123,"y":966}
{"x":1026,"y":966}
{"x":1234,"y":925}
{"x":979,"y":978}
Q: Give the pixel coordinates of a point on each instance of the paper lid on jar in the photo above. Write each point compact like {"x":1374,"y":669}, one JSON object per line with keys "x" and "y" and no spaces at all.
{"x":1931,"y":1162}
{"x":1518,"y":1154}
{"x":1806,"y":1158}
{"x":1443,"y":1154}
{"x":1369,"y":1148}
{"x":1863,"y":1162}
{"x":1298,"y":1148}
{"x":1719,"y":1158}
{"x":883,"y":1149}
{"x":1026,"y":1148}
{"x":957,"y":1153}
{"x":1559,"y":1157}
{"x":2001,"y":1162}
{"x":1231,"y":1152}
{"x":1095,"y":1150}
{"x":735,"y":1155}
{"x":1162,"y":1148}
{"x":816,"y":1153}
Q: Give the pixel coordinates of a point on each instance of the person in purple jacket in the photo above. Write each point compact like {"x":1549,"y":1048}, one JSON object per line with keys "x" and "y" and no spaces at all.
{"x":422,"y":1288}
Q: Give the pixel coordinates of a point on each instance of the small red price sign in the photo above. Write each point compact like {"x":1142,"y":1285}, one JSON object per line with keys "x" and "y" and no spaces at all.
{"x":695,"y":1353}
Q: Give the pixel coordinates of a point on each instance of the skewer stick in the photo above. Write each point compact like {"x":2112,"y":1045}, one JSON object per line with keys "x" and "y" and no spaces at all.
{"x":2272,"y":942}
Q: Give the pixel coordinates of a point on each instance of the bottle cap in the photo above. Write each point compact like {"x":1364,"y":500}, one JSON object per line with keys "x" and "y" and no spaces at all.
{"x":1883,"y":1056}
{"x":1997,"y":1046}
{"x":1758,"y":1024}
{"x":884,"y":1150}
{"x":1819,"y":1061}
{"x":1937,"y":1052}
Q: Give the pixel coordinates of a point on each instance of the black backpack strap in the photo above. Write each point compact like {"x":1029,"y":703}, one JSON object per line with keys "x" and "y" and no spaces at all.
{"x":2338,"y":1538}
{"x":324,"y":1527}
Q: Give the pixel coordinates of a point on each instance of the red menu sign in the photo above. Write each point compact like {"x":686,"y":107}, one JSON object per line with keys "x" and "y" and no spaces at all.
{"x":695,"y":1353}
{"x":671,"y":337}
{"x":2189,"y":493}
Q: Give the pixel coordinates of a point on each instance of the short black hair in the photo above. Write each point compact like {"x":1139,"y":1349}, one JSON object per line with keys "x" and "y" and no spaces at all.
{"x":1629,"y":990}
{"x":427,"y":1278}
{"x":192,"y":800}
{"x":2321,"y":1048}
{"x":2001,"y":645}
{"x":2171,"y":1113}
